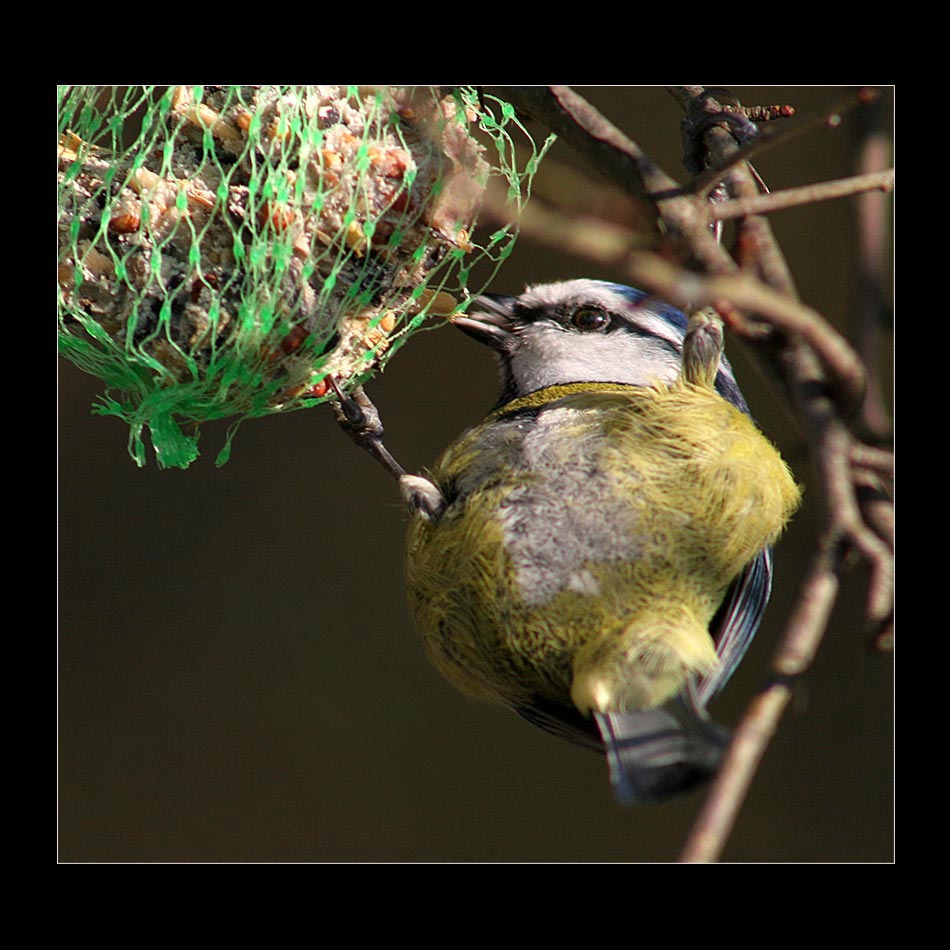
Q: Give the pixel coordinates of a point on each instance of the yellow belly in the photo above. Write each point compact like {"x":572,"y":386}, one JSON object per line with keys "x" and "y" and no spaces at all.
{"x":589,"y":538}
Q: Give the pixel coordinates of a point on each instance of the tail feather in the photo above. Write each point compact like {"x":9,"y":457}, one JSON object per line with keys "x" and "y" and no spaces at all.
{"x":654,"y":754}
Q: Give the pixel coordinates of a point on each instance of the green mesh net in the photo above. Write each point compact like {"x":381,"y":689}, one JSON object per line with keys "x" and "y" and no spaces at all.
{"x":227,"y":251}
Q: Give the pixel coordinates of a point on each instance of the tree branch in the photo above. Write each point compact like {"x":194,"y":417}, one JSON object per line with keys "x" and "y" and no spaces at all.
{"x":809,"y":375}
{"x":805,"y":195}
{"x":802,"y":636}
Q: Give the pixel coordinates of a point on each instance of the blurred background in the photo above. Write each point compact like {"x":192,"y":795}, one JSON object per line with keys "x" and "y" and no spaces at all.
{"x":239,"y":680}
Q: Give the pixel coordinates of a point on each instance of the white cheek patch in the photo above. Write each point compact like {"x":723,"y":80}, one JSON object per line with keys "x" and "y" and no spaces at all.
{"x":548,"y":356}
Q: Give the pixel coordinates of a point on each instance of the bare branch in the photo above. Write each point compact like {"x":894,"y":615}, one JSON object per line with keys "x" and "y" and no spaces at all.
{"x":811,"y":369}
{"x":803,"y":634}
{"x":871,"y":468}
{"x":807,"y":194}
{"x":873,"y":233}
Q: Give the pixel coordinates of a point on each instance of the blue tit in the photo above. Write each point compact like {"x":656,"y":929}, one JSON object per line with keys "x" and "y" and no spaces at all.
{"x":596,"y":554}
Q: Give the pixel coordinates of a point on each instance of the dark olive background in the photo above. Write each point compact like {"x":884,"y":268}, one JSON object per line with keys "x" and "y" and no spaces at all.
{"x":239,"y":681}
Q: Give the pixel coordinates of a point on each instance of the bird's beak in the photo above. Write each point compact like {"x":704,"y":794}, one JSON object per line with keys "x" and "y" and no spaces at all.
{"x":490,"y":321}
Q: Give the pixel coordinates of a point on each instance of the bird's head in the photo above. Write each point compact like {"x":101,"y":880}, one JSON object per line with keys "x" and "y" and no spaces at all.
{"x":579,"y":331}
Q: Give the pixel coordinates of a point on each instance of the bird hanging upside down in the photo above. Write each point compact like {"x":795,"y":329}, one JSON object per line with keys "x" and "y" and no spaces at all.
{"x":595,"y":555}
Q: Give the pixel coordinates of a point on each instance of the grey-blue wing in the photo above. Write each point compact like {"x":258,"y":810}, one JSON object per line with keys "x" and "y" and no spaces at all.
{"x":562,"y":721}
{"x":736,"y":623}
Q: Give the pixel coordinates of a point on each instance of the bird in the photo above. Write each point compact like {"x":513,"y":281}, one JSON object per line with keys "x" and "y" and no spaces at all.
{"x":596,"y":554}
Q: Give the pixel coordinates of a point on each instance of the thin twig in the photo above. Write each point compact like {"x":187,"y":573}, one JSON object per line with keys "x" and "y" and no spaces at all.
{"x":801,"y":638}
{"x":847,"y":518}
{"x":874,"y":458}
{"x":806,"y":194}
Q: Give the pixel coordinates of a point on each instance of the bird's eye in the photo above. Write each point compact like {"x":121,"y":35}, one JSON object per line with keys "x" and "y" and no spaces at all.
{"x":589,"y":318}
